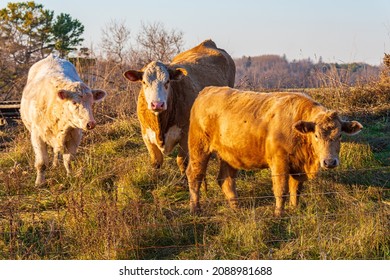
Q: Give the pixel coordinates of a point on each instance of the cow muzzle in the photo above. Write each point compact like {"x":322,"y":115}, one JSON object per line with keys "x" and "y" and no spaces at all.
{"x":330,"y":163}
{"x":91,"y":125}
{"x":157,"y":106}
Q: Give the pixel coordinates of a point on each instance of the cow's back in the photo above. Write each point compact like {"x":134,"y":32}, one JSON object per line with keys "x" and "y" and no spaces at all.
{"x":46,"y":75}
{"x":207,"y":65}
{"x":54,"y":67}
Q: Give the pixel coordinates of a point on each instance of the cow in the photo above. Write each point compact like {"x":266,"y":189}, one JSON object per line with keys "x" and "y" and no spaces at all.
{"x":168,"y":92}
{"x":289,"y":133}
{"x":56,"y":106}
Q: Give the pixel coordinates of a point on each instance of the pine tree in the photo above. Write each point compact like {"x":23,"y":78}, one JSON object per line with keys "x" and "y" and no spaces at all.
{"x":66,"y":34}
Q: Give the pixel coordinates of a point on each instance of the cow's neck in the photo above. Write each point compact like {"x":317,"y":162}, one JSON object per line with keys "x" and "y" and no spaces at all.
{"x":161,"y":122}
{"x":54,"y":125}
{"x":303,"y":157}
{"x":164,"y":121}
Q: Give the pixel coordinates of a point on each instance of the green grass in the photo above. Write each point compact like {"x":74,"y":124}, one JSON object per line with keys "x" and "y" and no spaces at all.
{"x":116,"y":206}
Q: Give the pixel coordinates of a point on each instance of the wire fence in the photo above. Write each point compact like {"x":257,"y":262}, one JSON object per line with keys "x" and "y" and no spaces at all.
{"x":24,"y":218}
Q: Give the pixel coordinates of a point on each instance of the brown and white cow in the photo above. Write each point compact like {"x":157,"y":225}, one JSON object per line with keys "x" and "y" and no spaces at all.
{"x":168,"y":92}
{"x":55,"y":107}
{"x":287,"y":132}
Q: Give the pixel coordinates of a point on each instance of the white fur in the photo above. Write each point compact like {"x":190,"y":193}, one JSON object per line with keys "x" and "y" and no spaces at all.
{"x":54,"y":120}
{"x":170,"y":138}
{"x":155,"y":77}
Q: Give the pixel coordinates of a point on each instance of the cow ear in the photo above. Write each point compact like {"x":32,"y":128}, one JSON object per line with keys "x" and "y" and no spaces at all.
{"x":64,"y":94}
{"x":133,"y":75}
{"x":98,"y":95}
{"x":177,"y":73}
{"x":351,"y":128}
{"x":304,"y":127}
{"x":333,"y":115}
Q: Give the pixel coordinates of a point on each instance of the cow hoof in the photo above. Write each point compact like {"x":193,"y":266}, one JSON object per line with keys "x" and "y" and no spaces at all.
{"x":278,"y":212}
{"x":41,"y":184}
{"x":293,"y":208}
{"x":195,"y":210}
{"x":156,"y":165}
{"x":233,"y":203}
{"x":40,"y":180}
{"x":183,"y":182}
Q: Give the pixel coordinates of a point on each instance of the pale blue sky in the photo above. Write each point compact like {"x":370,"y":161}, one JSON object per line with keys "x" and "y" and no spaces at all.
{"x":337,"y":30}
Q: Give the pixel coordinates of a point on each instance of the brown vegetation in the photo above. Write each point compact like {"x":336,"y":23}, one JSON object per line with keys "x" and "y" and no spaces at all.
{"x":117,"y":207}
{"x":276,"y":72}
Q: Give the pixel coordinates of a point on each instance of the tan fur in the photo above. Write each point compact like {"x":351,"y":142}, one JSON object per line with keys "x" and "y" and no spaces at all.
{"x":250,"y":130}
{"x":204,"y":65}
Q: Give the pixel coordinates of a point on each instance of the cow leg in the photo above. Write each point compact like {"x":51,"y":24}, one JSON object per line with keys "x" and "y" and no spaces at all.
{"x":56,"y":156}
{"x":294,"y":188}
{"x":226,"y":180}
{"x":41,"y":157}
{"x":182,"y":156}
{"x":156,"y":155}
{"x":279,"y":184}
{"x":70,"y":150}
{"x":196,"y":172}
{"x":182,"y":160}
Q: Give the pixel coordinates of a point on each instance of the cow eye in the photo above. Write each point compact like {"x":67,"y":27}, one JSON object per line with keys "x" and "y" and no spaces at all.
{"x":166,"y":84}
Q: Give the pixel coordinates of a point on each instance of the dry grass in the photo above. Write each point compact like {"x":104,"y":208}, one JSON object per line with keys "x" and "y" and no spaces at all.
{"x":116,"y":206}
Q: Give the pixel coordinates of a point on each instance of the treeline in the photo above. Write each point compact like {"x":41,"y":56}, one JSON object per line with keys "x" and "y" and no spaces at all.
{"x":29,"y":32}
{"x":276,"y":72}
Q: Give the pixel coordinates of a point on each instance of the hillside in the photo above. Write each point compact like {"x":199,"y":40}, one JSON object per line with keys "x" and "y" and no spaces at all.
{"x":276,"y":72}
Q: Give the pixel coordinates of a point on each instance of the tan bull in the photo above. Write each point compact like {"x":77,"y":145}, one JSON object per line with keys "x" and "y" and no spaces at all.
{"x":289,"y":133}
{"x":168,"y":92}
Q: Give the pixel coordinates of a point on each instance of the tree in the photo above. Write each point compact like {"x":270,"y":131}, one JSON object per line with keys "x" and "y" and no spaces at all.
{"x":28,"y":33}
{"x":31,"y":33}
{"x":7,"y":70}
{"x":26,"y":29}
{"x":115,"y":41}
{"x":159,"y":44}
{"x":248,"y":62}
{"x":66,"y":34}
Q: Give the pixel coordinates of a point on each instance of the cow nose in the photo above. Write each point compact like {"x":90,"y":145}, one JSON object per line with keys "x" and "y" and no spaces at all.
{"x":330,"y":163}
{"x":91,"y":125}
{"x":157,"y":105}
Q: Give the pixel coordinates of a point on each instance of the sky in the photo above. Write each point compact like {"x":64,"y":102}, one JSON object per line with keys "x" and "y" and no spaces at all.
{"x":341,"y":31}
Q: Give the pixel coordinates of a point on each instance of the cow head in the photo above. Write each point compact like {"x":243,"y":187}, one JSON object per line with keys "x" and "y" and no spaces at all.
{"x":156,"y":78}
{"x":77,"y":105}
{"x":325,"y":132}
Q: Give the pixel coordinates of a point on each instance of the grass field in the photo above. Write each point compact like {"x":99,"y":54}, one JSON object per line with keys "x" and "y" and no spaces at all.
{"x":116,"y":206}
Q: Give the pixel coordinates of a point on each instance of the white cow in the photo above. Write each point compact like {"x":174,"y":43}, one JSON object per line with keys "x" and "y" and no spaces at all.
{"x":55,"y":107}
